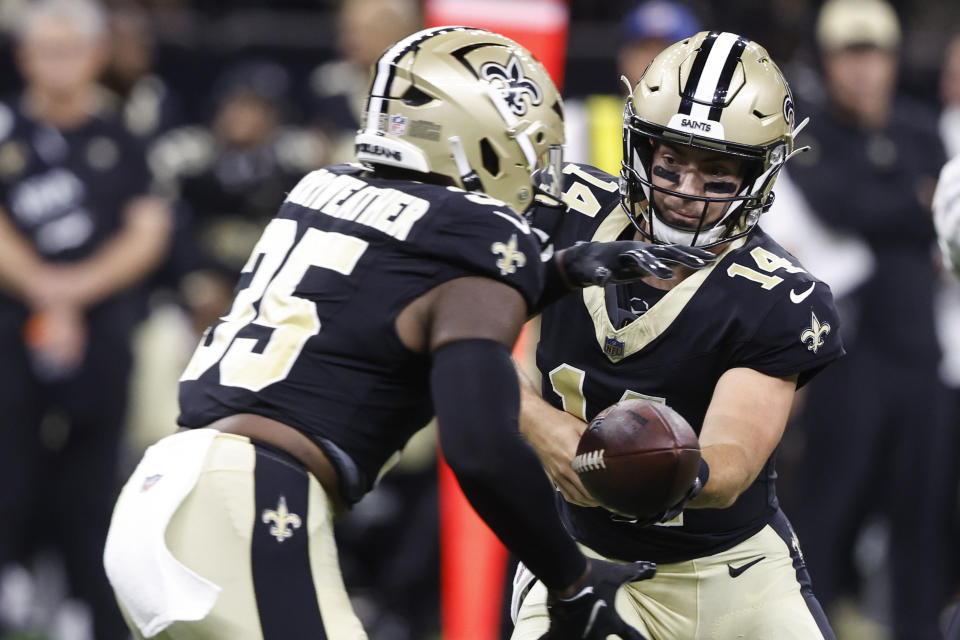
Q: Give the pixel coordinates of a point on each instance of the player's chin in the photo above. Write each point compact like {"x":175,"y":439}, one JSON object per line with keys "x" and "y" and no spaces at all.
{"x":681,"y":220}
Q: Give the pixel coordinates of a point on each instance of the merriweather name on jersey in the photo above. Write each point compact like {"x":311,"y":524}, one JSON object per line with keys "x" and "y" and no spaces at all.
{"x":310,"y":339}
{"x":346,"y":197}
{"x":755,"y":307}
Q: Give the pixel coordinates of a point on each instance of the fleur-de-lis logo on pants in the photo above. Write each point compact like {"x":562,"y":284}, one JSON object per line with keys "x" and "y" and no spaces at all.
{"x":281,"y":519}
{"x":511,"y":259}
{"x":815,"y":333}
{"x":513,"y":85}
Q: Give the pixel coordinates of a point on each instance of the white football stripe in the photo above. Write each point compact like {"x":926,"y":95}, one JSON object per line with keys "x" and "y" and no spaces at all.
{"x":387,"y":60}
{"x":710,"y":76}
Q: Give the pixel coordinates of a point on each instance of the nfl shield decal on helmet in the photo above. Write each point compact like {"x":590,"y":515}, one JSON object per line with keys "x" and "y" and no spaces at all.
{"x":398,"y":125}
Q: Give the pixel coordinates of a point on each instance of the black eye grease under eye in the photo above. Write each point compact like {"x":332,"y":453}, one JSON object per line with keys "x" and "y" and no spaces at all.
{"x":666,"y":175}
{"x":720,"y":187}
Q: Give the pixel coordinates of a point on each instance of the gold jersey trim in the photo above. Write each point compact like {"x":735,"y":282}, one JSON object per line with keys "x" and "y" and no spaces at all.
{"x":642,"y":331}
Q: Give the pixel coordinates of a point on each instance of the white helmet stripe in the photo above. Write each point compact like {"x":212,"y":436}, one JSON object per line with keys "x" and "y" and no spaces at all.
{"x":709,"y":80}
{"x":386,"y":66}
{"x":710,"y":77}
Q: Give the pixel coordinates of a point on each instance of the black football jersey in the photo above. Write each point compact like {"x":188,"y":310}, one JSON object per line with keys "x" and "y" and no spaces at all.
{"x":310,"y":338}
{"x":756,"y":307}
{"x":65,"y":191}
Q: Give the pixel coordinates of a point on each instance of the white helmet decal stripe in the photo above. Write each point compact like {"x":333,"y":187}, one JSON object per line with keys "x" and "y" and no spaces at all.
{"x":385,"y":70}
{"x":721,"y":54}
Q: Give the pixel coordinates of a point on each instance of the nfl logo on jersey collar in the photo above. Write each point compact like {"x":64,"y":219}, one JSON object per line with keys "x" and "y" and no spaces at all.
{"x":613,"y":347}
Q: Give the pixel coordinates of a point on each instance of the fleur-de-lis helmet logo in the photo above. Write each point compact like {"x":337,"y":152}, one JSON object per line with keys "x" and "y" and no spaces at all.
{"x":513,"y":85}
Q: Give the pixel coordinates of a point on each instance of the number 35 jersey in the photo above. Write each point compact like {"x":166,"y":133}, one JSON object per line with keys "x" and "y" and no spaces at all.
{"x":755,"y":307}
{"x":310,"y":338}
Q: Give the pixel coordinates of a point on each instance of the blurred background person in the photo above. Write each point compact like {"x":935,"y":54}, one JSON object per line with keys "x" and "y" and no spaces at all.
{"x":950,"y":98}
{"x":336,"y":88}
{"x":593,"y":122}
{"x":78,"y":233}
{"x":648,"y":29}
{"x":878,"y":428}
{"x":946,"y":205}
{"x":148,"y":105}
{"x":226,"y":176}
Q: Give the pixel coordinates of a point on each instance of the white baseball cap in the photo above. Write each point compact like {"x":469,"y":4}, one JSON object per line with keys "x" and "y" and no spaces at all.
{"x":851,"y":23}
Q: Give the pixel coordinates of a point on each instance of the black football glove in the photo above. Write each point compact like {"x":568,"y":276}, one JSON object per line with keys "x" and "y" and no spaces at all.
{"x":603,"y":263}
{"x":702,"y":476}
{"x":675,"y":510}
{"x":590,"y":614}
{"x":669,"y":514}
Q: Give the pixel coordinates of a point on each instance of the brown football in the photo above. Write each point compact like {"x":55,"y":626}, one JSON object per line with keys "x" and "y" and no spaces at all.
{"x":638,"y":458}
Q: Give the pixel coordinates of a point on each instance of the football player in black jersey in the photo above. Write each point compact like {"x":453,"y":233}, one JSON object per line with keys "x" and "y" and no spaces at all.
{"x":705,"y":133}
{"x":381,"y":292}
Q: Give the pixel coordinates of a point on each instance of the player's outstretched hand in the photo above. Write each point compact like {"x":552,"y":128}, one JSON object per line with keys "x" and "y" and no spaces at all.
{"x":590,"y":614}
{"x":603,"y":263}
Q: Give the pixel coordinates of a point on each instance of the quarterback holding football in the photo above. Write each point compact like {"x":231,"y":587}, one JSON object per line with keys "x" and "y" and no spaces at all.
{"x":706,"y":131}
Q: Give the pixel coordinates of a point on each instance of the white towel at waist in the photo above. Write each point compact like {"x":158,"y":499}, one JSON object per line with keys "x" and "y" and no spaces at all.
{"x":156,"y":589}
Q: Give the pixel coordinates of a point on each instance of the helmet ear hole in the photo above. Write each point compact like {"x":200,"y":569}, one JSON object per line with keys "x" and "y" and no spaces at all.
{"x":489,"y":158}
{"x":414,"y":97}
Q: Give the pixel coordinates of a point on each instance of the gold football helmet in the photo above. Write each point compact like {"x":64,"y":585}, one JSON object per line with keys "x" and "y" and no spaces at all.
{"x":469,"y":105}
{"x":716,"y":91}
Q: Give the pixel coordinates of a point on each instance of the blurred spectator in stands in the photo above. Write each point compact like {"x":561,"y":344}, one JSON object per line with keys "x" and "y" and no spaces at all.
{"x":228,"y":176}
{"x":878,"y":425}
{"x":147,"y":104}
{"x":593,"y":123}
{"x":78,"y":234}
{"x":947,"y":220}
{"x":647,"y":30}
{"x":950,"y":95}
{"x":337,"y":88}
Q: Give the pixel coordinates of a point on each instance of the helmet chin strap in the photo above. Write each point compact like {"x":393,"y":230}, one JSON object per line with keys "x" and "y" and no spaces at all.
{"x":663,"y":232}
{"x":469,"y":177}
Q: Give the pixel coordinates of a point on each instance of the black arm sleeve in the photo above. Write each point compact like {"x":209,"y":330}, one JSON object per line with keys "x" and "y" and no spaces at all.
{"x":554,"y":286}
{"x":477,"y":399}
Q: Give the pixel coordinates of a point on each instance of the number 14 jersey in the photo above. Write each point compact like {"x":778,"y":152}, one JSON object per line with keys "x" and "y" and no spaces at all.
{"x":755,"y":307}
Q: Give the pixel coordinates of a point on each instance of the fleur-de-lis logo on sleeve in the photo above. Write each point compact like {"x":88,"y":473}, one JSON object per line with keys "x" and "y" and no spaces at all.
{"x":281,"y":519}
{"x":511,"y":259}
{"x":815,"y":333}
{"x":513,"y":85}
